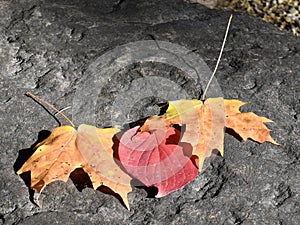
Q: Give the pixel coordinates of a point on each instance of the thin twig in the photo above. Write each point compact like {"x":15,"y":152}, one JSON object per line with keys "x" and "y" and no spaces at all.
{"x":29,"y":94}
{"x":68,"y":107}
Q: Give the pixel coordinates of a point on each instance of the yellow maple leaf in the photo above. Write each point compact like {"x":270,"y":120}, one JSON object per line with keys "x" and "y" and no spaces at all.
{"x":205,"y":121}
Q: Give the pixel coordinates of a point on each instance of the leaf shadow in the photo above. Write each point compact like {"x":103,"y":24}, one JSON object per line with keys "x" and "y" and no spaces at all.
{"x":81,"y":180}
{"x":151,"y":191}
{"x":233,"y":133}
{"x":187,"y":148}
{"x":106,"y":190}
{"x":23,"y":156}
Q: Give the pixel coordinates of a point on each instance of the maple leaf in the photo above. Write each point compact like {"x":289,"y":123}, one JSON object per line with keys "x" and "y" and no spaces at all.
{"x":247,"y":125}
{"x":66,"y":149}
{"x":153,"y":154}
{"x":204,"y":124}
{"x":205,"y":121}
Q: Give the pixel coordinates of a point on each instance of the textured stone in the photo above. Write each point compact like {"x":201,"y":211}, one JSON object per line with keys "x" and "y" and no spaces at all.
{"x":48,"y":46}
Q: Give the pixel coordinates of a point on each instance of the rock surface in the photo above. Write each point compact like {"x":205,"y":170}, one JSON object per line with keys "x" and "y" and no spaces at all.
{"x":48,"y":47}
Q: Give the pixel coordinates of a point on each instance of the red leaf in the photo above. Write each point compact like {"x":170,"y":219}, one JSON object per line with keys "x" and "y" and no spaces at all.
{"x":157,"y":158}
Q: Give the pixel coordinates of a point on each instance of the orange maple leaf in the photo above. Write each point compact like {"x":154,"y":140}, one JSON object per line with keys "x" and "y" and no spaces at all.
{"x":66,"y":149}
{"x":247,"y":125}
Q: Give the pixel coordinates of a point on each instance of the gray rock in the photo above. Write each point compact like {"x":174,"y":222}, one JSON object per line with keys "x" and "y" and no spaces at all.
{"x":52,"y":48}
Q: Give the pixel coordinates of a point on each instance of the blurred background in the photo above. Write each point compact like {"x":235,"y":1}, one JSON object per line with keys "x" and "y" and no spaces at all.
{"x":283,"y":14}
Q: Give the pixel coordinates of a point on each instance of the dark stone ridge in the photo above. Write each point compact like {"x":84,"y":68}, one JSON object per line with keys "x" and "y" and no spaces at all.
{"x":46,"y":48}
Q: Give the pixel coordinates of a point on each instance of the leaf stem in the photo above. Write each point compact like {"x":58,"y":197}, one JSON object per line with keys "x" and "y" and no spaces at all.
{"x":29,"y":94}
{"x":219,"y":59}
